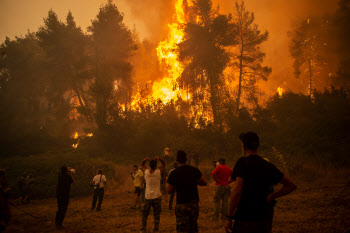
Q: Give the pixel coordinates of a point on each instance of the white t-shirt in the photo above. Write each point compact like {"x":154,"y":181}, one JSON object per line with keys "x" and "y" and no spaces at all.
{"x":97,"y":180}
{"x":152,"y":184}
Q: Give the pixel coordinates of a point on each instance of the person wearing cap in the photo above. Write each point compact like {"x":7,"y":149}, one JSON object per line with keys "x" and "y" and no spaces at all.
{"x":222,"y":176}
{"x":184,"y":181}
{"x":252,"y":200}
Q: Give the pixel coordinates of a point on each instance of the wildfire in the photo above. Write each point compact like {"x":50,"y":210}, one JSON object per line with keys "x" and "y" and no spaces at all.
{"x":168,"y":88}
{"x":280,"y":91}
{"x":75,"y":146}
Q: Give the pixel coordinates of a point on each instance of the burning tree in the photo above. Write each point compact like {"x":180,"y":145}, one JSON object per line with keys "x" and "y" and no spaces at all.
{"x":204,"y":56}
{"x":112,"y":45}
{"x":247,"y":56}
{"x":307,"y":47}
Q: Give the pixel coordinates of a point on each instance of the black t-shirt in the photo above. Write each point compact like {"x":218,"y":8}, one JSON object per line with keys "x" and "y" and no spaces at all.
{"x":185,"y":179}
{"x":63,"y":185}
{"x":259,"y":177}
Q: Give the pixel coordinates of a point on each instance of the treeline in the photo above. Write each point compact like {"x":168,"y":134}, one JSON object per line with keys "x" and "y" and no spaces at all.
{"x":59,"y":78}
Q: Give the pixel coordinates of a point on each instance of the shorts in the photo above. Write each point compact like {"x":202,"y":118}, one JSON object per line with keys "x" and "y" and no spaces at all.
{"x":138,"y":190}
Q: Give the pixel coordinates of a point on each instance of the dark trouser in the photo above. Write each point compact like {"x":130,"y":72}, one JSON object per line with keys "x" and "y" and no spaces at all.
{"x":196,"y":163}
{"x":252,"y":227}
{"x":143,"y":193}
{"x":186,"y":217}
{"x":222,"y":193}
{"x":157,"y":208}
{"x":171,"y":200}
{"x":99,"y":192}
{"x":62,"y":203}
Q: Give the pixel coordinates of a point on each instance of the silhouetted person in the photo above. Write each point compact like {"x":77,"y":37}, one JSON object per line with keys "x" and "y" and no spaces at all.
{"x":98,"y":182}
{"x":65,"y":180}
{"x":144,"y":185}
{"x":168,"y":154}
{"x":184,"y":181}
{"x":27,"y":188}
{"x":4,"y":203}
{"x":172,"y":195}
{"x":195,"y":157}
{"x":222,"y":176}
{"x":251,"y":201}
{"x":164,"y":175}
{"x":152,"y":194}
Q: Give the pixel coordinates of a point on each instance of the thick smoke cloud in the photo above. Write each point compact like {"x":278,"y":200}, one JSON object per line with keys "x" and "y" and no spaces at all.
{"x":151,"y":17}
{"x":278,"y":17}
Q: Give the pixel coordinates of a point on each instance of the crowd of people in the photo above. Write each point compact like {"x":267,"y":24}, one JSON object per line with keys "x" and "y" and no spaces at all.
{"x":250,"y":201}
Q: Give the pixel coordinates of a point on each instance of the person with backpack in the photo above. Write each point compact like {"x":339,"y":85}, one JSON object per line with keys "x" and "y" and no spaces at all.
{"x":98,"y":182}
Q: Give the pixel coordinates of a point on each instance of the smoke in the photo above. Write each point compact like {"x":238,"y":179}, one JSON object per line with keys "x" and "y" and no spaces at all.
{"x":151,"y":17}
{"x":278,"y":18}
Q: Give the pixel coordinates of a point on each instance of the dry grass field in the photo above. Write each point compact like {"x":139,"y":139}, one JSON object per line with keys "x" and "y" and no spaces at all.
{"x":318,"y":205}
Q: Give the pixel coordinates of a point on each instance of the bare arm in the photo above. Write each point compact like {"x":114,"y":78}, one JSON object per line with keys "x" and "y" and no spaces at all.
{"x":214,"y":174}
{"x":170,"y":188}
{"x":233,"y":202}
{"x":287,"y":188}
{"x":161,"y":160}
{"x":144,"y":161}
{"x":202,"y":181}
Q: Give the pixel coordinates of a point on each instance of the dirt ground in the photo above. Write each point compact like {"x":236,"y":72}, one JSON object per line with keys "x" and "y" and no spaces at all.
{"x":314,"y":207}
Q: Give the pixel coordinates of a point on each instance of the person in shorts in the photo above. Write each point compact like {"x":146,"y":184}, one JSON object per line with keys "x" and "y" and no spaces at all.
{"x":137,"y":176}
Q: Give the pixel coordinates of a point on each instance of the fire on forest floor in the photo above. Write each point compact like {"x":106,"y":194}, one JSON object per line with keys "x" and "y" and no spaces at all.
{"x":322,"y":206}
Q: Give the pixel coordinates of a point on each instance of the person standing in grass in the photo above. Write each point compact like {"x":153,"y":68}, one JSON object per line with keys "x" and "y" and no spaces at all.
{"x":152,"y":194}
{"x":98,"y":183}
{"x":196,"y":157}
{"x":184,"y":181}
{"x":252,"y":199}
{"x":65,"y":179}
{"x":222,"y":176}
{"x":137,"y":176}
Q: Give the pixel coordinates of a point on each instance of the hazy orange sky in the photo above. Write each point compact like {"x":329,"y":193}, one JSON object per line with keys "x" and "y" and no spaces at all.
{"x":151,"y":16}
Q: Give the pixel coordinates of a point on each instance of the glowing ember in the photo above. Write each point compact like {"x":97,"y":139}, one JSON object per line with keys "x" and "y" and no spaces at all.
{"x":76,"y":135}
{"x":75,"y":146}
{"x":89,"y":135}
{"x":280,"y":91}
